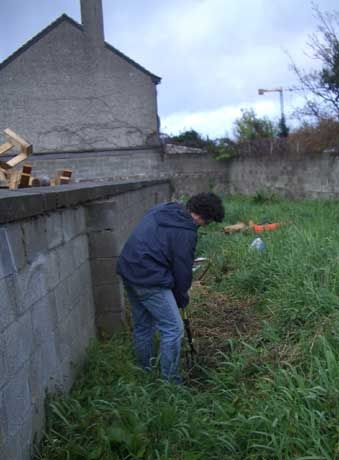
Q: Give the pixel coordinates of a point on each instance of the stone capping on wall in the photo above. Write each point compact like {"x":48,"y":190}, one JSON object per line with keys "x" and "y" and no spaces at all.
{"x":177,"y":149}
{"x":21,"y":204}
{"x":102,"y":152}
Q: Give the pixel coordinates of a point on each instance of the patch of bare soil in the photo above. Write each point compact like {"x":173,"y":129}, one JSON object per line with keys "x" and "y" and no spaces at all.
{"x":215,"y":318}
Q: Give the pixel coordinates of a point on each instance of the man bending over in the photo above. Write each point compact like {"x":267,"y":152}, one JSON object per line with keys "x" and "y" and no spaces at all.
{"x":156,"y":267}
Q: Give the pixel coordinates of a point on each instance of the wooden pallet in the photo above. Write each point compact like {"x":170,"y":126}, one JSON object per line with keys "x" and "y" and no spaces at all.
{"x":20,"y":179}
{"x":14,"y":178}
{"x":63,"y":176}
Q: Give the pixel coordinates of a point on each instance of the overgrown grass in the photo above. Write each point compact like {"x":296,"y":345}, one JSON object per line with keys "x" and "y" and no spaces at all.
{"x":272,"y":392}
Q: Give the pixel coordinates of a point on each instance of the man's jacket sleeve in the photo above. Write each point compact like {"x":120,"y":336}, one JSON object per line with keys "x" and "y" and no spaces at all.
{"x":183,"y":249}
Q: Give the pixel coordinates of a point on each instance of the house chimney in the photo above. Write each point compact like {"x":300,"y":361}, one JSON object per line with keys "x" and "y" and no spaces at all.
{"x":92,"y":20}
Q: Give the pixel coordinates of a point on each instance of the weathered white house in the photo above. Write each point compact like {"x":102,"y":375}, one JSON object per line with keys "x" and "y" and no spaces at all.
{"x":68,"y":90}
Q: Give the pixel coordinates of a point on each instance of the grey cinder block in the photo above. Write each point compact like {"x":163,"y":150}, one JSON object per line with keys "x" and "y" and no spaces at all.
{"x":54,"y":230}
{"x":42,"y":321}
{"x":18,"y":343}
{"x":75,"y":288}
{"x":108,"y":297}
{"x":80,"y":216}
{"x":69,"y":224}
{"x":7,"y":302}
{"x":17,"y":400}
{"x":62,"y":301}
{"x":12,"y":449}
{"x":38,"y":419}
{"x":7,"y":266}
{"x":3,"y":363}
{"x":73,"y":223}
{"x":103,"y":244}
{"x":3,"y":421}
{"x":86,"y":280}
{"x":16,"y":243}
{"x":101,"y":215}
{"x":52,"y":269}
{"x":31,"y":284}
{"x":80,"y":249}
{"x":35,"y":237}
{"x":86,"y":321}
{"x":43,"y":369}
{"x":67,"y":263}
{"x":26,"y":436}
{"x":104,"y":271}
{"x":108,"y":323}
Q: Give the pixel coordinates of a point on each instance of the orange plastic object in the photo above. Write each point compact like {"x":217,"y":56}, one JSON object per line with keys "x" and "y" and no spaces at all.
{"x":265,"y":227}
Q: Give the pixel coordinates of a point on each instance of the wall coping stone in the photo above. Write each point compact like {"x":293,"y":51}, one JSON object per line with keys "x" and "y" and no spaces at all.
{"x":178,"y":149}
{"x":86,"y":153}
{"x":23,"y":203}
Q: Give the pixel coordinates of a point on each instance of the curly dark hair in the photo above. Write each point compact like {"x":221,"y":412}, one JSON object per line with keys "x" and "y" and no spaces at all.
{"x":207,"y":205}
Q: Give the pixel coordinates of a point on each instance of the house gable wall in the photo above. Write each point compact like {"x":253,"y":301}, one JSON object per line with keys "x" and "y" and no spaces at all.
{"x":64,"y":94}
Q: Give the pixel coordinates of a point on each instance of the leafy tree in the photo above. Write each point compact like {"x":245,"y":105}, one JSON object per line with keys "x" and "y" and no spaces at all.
{"x":321,"y":87}
{"x":221,"y":148}
{"x":224,"y":148}
{"x":317,"y":137}
{"x":189,"y":138}
{"x":283,"y":130}
{"x":249,"y":127}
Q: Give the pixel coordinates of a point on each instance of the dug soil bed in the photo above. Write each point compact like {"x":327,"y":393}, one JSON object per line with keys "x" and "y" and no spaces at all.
{"x":216,"y":318}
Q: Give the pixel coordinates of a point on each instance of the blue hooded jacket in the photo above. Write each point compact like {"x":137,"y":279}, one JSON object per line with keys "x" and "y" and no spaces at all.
{"x":160,"y":251}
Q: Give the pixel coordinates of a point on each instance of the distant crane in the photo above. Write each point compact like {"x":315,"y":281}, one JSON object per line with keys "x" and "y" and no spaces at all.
{"x":280,"y":90}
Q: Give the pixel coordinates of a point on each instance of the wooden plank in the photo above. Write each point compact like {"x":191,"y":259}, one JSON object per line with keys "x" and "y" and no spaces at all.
{"x":24,"y":180}
{"x":5,"y":147}
{"x":3,"y":177}
{"x":4,"y":165}
{"x":56,"y":180}
{"x":14,"y":179}
{"x":62,"y":176}
{"x":64,"y":180}
{"x":240,"y":226}
{"x":67,"y":173}
{"x":18,"y":141}
{"x":27,"y":168}
{"x":18,"y":159}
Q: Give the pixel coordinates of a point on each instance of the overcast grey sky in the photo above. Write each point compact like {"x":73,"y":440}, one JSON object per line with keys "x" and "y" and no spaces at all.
{"x":212,"y":55}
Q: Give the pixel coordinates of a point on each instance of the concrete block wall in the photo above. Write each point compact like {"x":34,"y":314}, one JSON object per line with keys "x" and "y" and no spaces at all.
{"x":47,"y":318}
{"x":109,"y":223}
{"x":58,"y":249}
{"x":309,"y":176}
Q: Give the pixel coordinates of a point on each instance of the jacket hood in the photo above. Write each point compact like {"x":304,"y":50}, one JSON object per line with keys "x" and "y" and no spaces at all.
{"x":174,"y":214}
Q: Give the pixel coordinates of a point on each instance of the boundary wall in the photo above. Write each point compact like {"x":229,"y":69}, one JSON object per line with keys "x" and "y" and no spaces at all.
{"x":285,"y":166}
{"x":58,"y":250}
{"x":275,"y":165}
{"x":313,"y":176}
{"x":191,"y":172}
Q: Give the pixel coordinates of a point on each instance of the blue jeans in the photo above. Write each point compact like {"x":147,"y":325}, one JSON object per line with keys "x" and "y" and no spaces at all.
{"x":155,"y":309}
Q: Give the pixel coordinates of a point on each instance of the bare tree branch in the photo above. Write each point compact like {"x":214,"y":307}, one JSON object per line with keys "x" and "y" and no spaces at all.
{"x":321,"y":87}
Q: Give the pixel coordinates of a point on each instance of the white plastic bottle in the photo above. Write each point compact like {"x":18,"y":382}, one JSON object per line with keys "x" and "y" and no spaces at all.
{"x":258,"y":244}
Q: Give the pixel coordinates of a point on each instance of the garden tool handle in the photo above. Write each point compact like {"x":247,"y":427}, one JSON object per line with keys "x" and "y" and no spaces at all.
{"x":188,"y":329}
